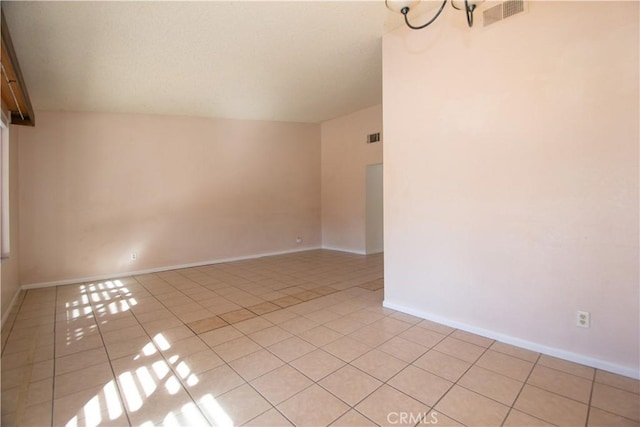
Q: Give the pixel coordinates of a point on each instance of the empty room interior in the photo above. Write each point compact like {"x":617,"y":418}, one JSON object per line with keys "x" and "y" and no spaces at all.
{"x":314,"y":213}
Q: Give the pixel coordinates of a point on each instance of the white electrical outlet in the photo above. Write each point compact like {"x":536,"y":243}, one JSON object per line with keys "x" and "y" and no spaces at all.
{"x":298,"y":239}
{"x":134,"y":256}
{"x":583,"y":319}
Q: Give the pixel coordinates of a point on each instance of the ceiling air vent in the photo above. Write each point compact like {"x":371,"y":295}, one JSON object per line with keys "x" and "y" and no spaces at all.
{"x":498,"y":12}
{"x":511,"y":7}
{"x":492,"y":15}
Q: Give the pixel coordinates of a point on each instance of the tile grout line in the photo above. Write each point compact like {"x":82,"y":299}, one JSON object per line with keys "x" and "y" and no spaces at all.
{"x":295,"y":273}
{"x":274,"y":406}
{"x":13,"y":322}
{"x":168,"y":362}
{"x":55,"y":345}
{"x":94,"y":311}
{"x":285,"y":363}
{"x":612,"y":386}
{"x":113,"y":373}
{"x":593,"y":386}
{"x":556,"y":393}
{"x":133,"y":314}
{"x":456,"y":381}
{"x":353,"y":407}
{"x":26,"y":377}
{"x":225,"y":362}
{"x":524,"y":383}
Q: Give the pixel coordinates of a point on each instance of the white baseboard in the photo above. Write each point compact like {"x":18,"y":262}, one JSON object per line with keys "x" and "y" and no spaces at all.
{"x":349,"y":251}
{"x":5,"y":316}
{"x":160,"y":269}
{"x":627,"y":371}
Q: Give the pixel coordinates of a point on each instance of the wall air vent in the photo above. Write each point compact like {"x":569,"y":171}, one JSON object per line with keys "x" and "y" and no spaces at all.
{"x":373,"y":137}
{"x":497,"y":11}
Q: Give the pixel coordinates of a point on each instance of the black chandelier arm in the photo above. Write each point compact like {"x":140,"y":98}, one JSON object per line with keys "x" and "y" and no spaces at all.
{"x":405,"y":11}
{"x":467,"y":10}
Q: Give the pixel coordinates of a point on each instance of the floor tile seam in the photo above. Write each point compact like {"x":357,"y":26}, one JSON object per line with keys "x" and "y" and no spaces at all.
{"x":161,"y":354}
{"x":109,"y":361}
{"x":613,"y":413}
{"x":41,"y":315}
{"x":244,"y":381}
{"x":323,"y":377}
{"x":593,"y":386}
{"x":500,"y":374}
{"x":315,"y":345}
{"x":14,"y":320}
{"x":410,"y":362}
{"x":450,"y":335}
{"x":593,"y":376}
{"x":637,"y":421}
{"x":458,"y":380}
{"x":518,"y":357}
{"x":182,"y":292}
{"x":182,"y":383}
{"x":428,"y":348}
{"x":117,"y":387}
{"x":264,"y":301}
{"x":356,"y":410}
{"x":303,"y":390}
{"x":429,"y":407}
{"x":273,"y":354}
{"x":448,"y":355}
{"x":613,"y":386}
{"x":148,"y":289}
{"x":488,"y":347}
{"x":524,"y":383}
{"x":275,"y":405}
{"x":557,"y":394}
{"x":417,"y":367}
{"x":533,"y":365}
{"x":183,"y":324}
{"x":386,"y":383}
{"x":382,"y":383}
{"x":167,"y":308}
{"x":593,"y":382}
{"x":350,"y":363}
{"x":188,"y":390}
{"x":339,"y":416}
{"x":312,"y":381}
{"x":29,"y":338}
{"x":23,"y":388}
{"x":53,"y":384}
{"x":589,"y":406}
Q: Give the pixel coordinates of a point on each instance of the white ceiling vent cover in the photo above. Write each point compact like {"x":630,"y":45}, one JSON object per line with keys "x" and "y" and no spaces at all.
{"x":497,"y":12}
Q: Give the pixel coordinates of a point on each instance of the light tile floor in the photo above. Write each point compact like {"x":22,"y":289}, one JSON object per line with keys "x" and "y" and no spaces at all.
{"x":297,"y":339}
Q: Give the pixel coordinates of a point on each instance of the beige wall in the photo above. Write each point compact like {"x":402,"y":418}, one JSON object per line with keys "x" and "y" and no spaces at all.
{"x":345,"y":156}
{"x":176,"y":190}
{"x":511,"y":178}
{"x":10,"y":267}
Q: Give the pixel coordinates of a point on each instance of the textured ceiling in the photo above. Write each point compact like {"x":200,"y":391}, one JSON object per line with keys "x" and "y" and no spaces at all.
{"x":302,"y":61}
